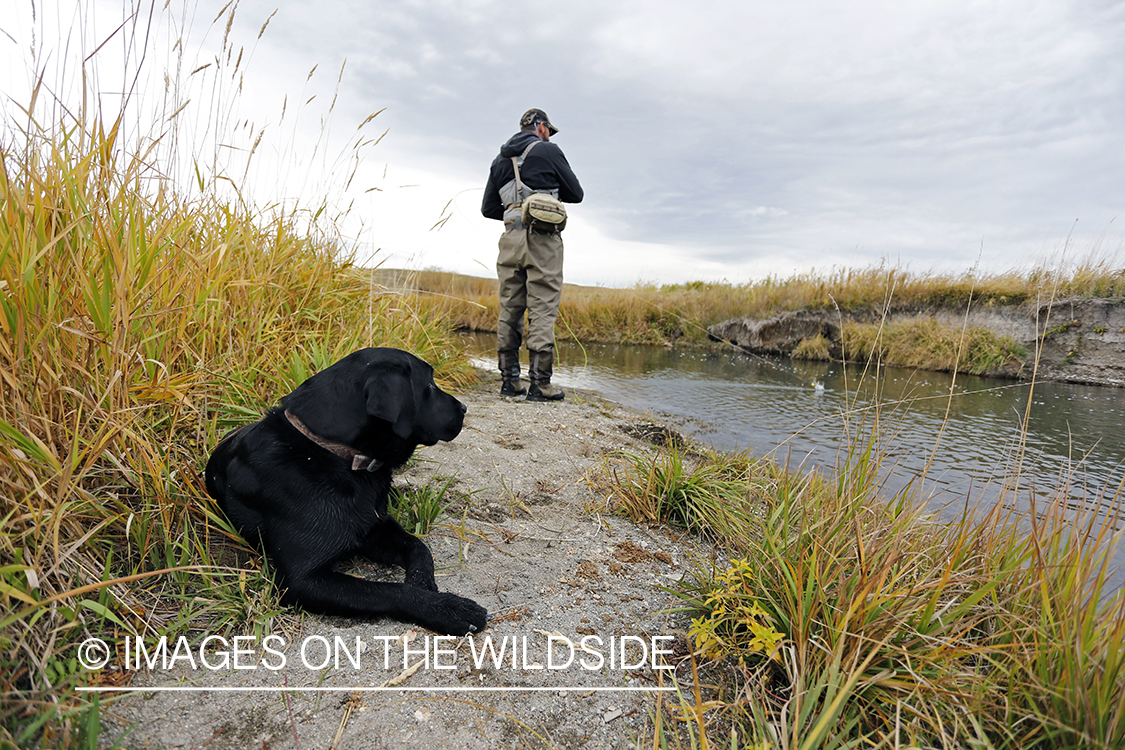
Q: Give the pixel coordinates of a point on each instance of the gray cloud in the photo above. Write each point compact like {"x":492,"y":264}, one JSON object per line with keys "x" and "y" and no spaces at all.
{"x":808,"y":131}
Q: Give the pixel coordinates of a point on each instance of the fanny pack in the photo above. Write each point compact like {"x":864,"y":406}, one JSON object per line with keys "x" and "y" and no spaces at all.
{"x":539,"y":211}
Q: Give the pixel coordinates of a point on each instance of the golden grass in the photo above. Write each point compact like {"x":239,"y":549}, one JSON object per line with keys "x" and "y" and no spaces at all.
{"x":136,"y":326}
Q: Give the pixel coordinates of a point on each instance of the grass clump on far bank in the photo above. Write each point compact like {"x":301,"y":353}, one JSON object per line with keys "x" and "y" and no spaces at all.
{"x":843,"y":620}
{"x":926,"y":344}
{"x":137,"y":325}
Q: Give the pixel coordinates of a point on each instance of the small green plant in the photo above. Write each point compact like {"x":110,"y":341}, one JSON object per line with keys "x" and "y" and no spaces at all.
{"x":417,"y":508}
{"x":67,"y":725}
{"x":1063,"y":327}
{"x":90,"y":727}
{"x":702,"y":491}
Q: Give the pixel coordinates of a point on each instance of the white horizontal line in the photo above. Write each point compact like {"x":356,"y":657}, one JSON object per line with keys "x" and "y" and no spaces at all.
{"x":283,"y":689}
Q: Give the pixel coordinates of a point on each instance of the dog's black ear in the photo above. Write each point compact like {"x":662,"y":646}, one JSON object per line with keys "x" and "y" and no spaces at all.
{"x":392,"y":398}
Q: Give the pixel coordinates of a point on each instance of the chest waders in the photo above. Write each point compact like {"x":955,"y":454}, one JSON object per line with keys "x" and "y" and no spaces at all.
{"x":529,"y":268}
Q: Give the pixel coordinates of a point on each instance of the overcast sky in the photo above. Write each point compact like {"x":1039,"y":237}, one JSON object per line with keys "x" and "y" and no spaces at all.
{"x":715,"y":140}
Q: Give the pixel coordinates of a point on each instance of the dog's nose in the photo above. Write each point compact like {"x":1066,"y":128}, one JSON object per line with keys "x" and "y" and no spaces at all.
{"x":464,"y":409}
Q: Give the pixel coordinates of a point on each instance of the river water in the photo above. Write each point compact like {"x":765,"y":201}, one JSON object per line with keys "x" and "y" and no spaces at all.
{"x":957,"y":439}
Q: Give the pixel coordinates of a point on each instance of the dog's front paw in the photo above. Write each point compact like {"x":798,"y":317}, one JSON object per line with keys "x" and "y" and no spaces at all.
{"x":457,"y":615}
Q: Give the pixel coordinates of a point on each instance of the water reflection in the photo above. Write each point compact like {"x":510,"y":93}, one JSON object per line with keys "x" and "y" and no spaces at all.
{"x":955,"y":440}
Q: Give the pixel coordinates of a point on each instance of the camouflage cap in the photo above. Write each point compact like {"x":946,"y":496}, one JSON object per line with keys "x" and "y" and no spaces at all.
{"x":532,"y":116}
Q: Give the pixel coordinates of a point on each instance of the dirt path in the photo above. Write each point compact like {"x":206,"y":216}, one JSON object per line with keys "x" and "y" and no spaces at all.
{"x":532,"y":545}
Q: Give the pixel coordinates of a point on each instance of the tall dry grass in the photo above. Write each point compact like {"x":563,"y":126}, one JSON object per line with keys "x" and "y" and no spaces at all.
{"x":140,"y":319}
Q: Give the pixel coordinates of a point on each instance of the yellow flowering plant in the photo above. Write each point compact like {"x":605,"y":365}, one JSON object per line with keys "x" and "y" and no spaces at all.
{"x":734,"y":623}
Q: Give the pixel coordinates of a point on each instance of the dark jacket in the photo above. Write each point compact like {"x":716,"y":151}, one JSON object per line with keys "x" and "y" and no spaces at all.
{"x":545,"y":168}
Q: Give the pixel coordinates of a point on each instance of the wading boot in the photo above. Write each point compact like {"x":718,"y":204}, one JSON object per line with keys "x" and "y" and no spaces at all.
{"x":540,"y":371}
{"x":509,"y":363}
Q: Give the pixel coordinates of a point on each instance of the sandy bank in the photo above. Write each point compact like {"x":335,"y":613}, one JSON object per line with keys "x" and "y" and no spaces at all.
{"x":531,"y":542}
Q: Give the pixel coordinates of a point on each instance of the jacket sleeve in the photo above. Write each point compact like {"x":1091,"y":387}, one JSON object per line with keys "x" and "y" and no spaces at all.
{"x":570,"y":191}
{"x":491,"y":206}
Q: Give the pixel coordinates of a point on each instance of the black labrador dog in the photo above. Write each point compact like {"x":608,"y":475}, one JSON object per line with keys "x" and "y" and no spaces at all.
{"x":309,"y":484}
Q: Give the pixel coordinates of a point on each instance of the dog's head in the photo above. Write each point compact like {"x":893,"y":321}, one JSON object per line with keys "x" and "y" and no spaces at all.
{"x":404,"y":394}
{"x":371,"y":392}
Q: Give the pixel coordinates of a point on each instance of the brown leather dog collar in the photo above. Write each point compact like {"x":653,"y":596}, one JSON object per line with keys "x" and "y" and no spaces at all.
{"x":346,"y":452}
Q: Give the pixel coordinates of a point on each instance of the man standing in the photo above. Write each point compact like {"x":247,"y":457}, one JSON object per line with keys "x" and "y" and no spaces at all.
{"x":530,"y":262}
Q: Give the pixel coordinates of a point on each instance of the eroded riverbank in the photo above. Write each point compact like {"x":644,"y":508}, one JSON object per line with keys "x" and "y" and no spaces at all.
{"x":1075,"y":341}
